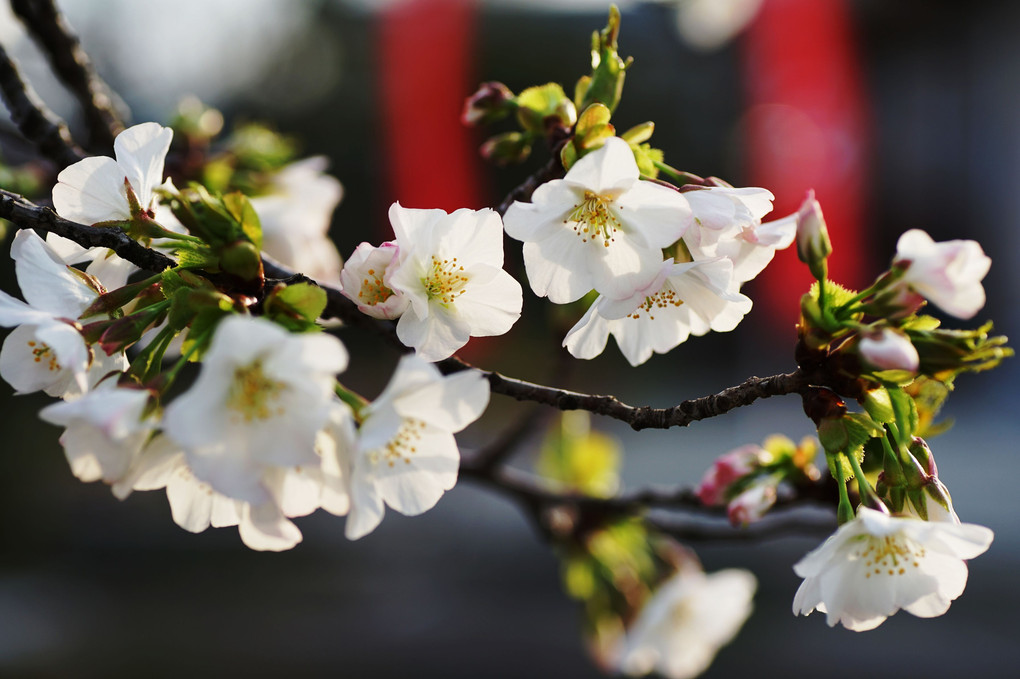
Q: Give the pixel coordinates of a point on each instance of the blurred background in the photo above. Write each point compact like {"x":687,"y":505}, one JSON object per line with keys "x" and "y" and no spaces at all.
{"x":899,"y":115}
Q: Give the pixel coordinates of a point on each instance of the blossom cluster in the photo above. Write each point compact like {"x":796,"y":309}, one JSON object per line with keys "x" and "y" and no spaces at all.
{"x":264,"y":433}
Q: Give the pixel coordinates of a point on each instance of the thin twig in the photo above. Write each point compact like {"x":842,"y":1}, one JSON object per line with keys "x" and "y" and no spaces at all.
{"x":37,"y":123}
{"x":74,"y":68}
{"x":551,"y":170}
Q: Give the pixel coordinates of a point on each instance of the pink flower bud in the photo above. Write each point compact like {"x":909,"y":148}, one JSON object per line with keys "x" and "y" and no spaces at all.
{"x":888,"y":349}
{"x":727,"y":469}
{"x":752,"y":504}
{"x":813,"y":245}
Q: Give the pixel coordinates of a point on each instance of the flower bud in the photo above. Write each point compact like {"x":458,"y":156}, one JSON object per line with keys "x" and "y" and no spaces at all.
{"x":507,"y":148}
{"x":725,"y":471}
{"x":888,"y":349}
{"x":492,"y":101}
{"x":752,"y":504}
{"x":813,"y":244}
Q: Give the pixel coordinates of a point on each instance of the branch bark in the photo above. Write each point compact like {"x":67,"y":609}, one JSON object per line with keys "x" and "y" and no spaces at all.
{"x":74,"y":68}
{"x":37,"y":123}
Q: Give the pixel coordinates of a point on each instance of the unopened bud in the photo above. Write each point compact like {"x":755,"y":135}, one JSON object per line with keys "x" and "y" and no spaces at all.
{"x":752,"y":504}
{"x":242,"y":259}
{"x":507,"y":148}
{"x":491,"y":102}
{"x":888,"y":349}
{"x":813,"y":244}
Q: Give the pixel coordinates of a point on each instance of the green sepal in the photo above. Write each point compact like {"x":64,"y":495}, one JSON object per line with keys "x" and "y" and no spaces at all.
{"x":647,"y":159}
{"x":536,"y":104}
{"x":296,"y":307}
{"x":878,"y":404}
{"x":905,"y":415}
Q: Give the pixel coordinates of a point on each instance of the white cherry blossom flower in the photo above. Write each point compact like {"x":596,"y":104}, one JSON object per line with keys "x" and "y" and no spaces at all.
{"x":877,"y":564}
{"x":93,"y":190}
{"x":729,"y":225}
{"x":406,"y":455}
{"x":599,"y":227}
{"x":687,"y":620}
{"x":105,"y":432}
{"x":292,"y":491}
{"x":365,"y":280}
{"x":451,"y":273}
{"x":295,"y":217}
{"x":686,"y":299}
{"x":262,"y":398}
{"x":948,"y":274}
{"x":46,"y":351}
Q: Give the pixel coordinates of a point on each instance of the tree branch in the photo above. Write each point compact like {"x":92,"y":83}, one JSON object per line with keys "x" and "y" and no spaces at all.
{"x":26,"y":214}
{"x":37,"y":123}
{"x":70,"y":62}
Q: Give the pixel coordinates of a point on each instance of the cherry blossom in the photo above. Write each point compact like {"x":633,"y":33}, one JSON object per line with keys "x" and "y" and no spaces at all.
{"x":877,"y":564}
{"x":259,"y":403}
{"x":948,"y":274}
{"x":451,"y":274}
{"x":292,"y":491}
{"x":599,"y":227}
{"x":688,"y":298}
{"x":727,"y":469}
{"x":105,"y":432}
{"x":46,"y":351}
{"x":687,"y":620}
{"x":366,"y":280}
{"x":729,"y":225}
{"x":406,"y":454}
{"x":93,"y":190}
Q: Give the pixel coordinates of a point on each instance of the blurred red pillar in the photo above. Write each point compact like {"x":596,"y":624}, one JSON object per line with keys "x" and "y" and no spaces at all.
{"x":425,"y":56}
{"x":807,"y":127}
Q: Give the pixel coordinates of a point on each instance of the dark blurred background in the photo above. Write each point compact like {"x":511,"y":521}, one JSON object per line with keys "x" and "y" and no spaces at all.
{"x":900,"y":114}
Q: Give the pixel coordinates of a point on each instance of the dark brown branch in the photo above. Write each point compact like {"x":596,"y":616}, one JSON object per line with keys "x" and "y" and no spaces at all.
{"x":641,"y":417}
{"x":34,"y":120}
{"x":26,"y":215}
{"x":776,"y":526}
{"x":74,"y":68}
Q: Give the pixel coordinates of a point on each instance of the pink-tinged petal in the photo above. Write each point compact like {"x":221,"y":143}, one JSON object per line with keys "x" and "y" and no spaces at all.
{"x":47,"y":283}
{"x":587,"y":339}
{"x":610,"y":167}
{"x":141,"y":151}
{"x":92,"y":190}
{"x":557,"y":268}
{"x":658,"y":215}
{"x":265,"y":529}
{"x":450,"y":404}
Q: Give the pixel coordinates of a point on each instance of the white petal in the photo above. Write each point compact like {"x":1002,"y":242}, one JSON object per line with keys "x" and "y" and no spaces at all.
{"x":660,"y":214}
{"x":557,"y":267}
{"x":366,"y":507}
{"x":45,"y":280}
{"x":92,"y":190}
{"x":436,"y":336}
{"x":264,"y":528}
{"x":491,"y":308}
{"x":609,"y":167}
{"x":140,"y":152}
{"x":449,"y":404}
{"x":587,"y":339}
